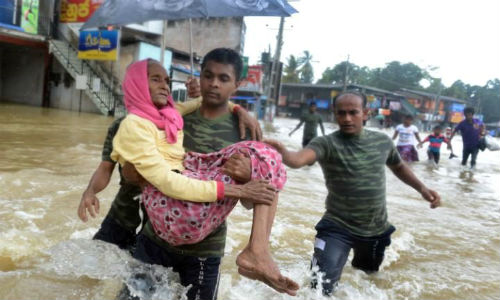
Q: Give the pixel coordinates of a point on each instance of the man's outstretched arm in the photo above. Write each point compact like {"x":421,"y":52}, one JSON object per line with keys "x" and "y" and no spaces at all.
{"x":99,"y":181}
{"x":293,"y":159}
{"x":405,"y":174}
{"x":298,"y":126}
{"x":321,"y":126}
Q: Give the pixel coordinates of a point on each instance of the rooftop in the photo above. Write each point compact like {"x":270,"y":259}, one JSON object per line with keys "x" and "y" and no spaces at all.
{"x":432,"y":96}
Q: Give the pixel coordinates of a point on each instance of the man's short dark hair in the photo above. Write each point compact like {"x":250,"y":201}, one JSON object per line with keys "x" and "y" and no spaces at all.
{"x":437,"y":127}
{"x":351,"y":92}
{"x":409,"y":117}
{"x":313,"y":103}
{"x":225,"y":56}
{"x":469,"y":110}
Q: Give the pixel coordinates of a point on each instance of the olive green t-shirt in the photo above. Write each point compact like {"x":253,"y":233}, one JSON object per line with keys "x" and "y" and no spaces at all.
{"x":354,"y":171}
{"x":311,"y":122}
{"x":124,"y":208}
{"x":203,"y":135}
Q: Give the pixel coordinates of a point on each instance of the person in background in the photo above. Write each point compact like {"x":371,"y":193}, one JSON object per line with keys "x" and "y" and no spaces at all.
{"x":311,"y":120}
{"x":353,"y":160}
{"x":406,"y":143}
{"x":435,"y":140}
{"x":472,"y":130}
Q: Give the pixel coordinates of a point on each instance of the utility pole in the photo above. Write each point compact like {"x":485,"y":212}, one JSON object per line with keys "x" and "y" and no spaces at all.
{"x":346,"y":73}
{"x":163,"y":42}
{"x":438,"y":95}
{"x":273,"y":89}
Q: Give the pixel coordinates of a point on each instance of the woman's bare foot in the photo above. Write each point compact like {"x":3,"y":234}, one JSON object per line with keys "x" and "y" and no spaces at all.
{"x":261,"y":266}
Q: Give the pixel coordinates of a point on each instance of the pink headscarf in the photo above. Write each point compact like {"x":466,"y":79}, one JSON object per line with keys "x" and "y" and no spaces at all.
{"x":138,"y":102}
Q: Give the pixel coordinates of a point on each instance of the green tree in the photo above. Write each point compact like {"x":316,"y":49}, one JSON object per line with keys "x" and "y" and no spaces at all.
{"x":306,"y":69}
{"x":329,"y":76}
{"x":291,"y":70}
{"x":396,"y":75}
{"x":436,"y":86}
{"x":488,"y":101}
{"x":458,"y":90}
{"x":356,"y":74}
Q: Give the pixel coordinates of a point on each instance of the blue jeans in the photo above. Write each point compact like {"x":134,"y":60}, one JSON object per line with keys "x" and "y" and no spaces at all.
{"x":201,"y":272}
{"x":472,"y":151}
{"x":433,"y":155}
{"x":114,"y":233}
{"x":331,"y":249}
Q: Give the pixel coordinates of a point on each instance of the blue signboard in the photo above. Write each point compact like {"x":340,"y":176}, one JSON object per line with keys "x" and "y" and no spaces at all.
{"x":457,"y":107}
{"x":6,"y":11}
{"x":98,"y":44}
{"x":320,"y":103}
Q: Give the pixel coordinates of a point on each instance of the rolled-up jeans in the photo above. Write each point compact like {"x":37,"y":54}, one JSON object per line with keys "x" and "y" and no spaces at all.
{"x":472,"y":151}
{"x":331,"y":249}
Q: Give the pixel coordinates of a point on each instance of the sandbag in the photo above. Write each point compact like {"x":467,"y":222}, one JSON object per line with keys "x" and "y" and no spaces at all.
{"x":491,"y":144}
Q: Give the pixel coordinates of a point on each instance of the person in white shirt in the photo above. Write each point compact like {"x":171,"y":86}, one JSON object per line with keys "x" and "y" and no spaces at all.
{"x":406,"y":143}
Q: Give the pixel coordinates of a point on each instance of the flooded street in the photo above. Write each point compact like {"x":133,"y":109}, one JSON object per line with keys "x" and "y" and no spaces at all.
{"x":48,"y":156}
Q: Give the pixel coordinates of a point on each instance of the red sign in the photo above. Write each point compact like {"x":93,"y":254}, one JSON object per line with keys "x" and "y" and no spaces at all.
{"x":77,"y":11}
{"x":253,"y":81}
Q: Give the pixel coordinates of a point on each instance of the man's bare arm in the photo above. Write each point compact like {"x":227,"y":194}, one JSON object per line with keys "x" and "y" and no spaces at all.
{"x":418,"y":137}
{"x":98,"y":182}
{"x":298,"y":126}
{"x":238,"y":167}
{"x":322,"y":128}
{"x":406,"y":175}
{"x":293,"y":159}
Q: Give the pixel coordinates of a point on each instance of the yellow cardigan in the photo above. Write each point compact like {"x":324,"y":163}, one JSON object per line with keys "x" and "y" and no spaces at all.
{"x":141,"y":143}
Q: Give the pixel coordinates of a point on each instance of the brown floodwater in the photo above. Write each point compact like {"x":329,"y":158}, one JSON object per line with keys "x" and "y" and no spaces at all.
{"x":47,"y":157}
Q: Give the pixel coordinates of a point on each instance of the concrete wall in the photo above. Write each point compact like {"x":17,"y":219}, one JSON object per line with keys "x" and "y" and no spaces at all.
{"x":128,"y":54}
{"x":68,"y":98}
{"x":207,"y":34}
{"x":22,"y":71}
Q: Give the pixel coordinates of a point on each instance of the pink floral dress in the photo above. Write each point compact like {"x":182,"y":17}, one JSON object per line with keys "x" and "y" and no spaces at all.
{"x":184,"y":222}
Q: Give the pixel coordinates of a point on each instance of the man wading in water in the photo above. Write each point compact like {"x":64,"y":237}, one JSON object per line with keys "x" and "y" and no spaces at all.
{"x":311,"y":120}
{"x":198,"y":262}
{"x":353,"y":161}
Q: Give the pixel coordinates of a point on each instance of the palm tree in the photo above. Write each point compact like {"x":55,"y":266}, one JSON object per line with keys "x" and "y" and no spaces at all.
{"x":306,"y":71}
{"x":291,"y":70}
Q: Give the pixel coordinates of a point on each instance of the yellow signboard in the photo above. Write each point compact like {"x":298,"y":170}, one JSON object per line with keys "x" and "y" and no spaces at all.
{"x":456,"y":117}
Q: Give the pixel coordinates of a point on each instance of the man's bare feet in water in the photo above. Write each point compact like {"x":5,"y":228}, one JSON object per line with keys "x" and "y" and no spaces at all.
{"x":261,"y":266}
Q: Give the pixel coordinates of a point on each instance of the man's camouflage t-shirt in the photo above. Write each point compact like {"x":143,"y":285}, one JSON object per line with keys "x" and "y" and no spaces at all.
{"x":354,"y":171}
{"x":124,"y":208}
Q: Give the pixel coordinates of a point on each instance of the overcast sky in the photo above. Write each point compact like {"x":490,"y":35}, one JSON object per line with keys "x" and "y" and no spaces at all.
{"x":460,"y":37}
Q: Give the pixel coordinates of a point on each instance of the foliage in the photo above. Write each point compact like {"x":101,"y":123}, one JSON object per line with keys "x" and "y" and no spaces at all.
{"x":458,"y":90}
{"x":355,"y":74}
{"x":291,"y":71}
{"x":396,"y":75}
{"x":306,"y":70}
